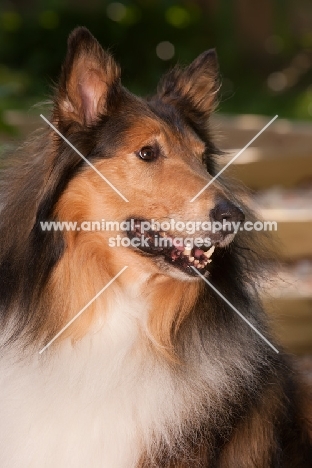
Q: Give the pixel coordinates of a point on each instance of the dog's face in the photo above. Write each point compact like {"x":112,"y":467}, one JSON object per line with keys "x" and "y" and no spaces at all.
{"x":157,"y":153}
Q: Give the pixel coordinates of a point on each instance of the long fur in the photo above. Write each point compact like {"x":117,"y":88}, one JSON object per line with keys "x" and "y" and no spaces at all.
{"x":158,"y":371}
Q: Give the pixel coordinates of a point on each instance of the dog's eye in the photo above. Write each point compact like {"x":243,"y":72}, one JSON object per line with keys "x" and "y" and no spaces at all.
{"x":148,"y":153}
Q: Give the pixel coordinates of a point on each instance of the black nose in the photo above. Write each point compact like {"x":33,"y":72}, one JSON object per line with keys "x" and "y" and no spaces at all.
{"x":227,"y":211}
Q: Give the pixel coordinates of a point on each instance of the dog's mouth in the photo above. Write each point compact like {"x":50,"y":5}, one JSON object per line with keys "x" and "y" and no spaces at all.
{"x":181,"y":255}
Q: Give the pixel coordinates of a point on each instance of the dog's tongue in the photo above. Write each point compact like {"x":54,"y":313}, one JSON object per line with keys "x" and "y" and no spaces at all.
{"x":198,"y":252}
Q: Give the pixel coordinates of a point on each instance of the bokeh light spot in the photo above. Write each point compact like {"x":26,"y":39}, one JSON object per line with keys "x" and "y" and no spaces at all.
{"x":116,"y":11}
{"x":277,"y":81}
{"x":165,"y":50}
{"x":11,"y":20}
{"x":178,"y":16}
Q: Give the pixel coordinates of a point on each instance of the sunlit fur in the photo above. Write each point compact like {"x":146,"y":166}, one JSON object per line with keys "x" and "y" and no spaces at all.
{"x":158,"y":371}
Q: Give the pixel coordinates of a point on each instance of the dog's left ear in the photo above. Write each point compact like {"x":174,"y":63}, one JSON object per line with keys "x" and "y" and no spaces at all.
{"x":89,"y":78}
{"x":193,"y":90}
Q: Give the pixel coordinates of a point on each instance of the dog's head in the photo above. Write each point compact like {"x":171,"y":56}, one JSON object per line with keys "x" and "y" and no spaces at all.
{"x":157,"y":153}
{"x":144,"y":203}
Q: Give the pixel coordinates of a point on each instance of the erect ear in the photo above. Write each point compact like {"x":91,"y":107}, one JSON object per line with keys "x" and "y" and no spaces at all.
{"x":88,"y":78}
{"x":193,"y":90}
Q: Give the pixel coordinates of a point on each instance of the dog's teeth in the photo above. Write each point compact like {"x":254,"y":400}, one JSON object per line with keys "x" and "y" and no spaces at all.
{"x":187,"y":251}
{"x":191,"y":259}
{"x":196,"y":262}
{"x":209,"y":252}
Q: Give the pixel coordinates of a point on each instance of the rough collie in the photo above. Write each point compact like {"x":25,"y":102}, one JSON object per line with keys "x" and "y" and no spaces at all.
{"x":118,"y":350}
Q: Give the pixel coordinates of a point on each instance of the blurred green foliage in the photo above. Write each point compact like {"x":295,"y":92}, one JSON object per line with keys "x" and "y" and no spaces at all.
{"x":270,"y":76}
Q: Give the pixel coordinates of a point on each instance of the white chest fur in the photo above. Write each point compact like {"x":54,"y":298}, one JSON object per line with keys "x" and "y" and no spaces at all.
{"x":100,"y":403}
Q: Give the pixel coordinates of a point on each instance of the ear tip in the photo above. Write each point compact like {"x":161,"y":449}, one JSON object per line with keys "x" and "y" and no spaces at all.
{"x":210,"y":56}
{"x":212,"y":53}
{"x":80,"y":35}
{"x":80,"y":31}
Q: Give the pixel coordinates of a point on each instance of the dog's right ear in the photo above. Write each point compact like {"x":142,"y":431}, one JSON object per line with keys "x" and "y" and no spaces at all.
{"x":193,"y":90}
{"x":89,"y":79}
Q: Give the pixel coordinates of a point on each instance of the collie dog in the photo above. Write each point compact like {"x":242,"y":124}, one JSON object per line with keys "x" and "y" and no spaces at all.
{"x":118,"y":350}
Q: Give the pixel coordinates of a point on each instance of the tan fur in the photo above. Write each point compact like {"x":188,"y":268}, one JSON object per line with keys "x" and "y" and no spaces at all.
{"x":90,"y":198}
{"x":172,"y":301}
{"x":158,"y":372}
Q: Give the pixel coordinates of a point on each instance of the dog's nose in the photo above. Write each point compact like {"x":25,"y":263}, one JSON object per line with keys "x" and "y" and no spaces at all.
{"x":227,"y":211}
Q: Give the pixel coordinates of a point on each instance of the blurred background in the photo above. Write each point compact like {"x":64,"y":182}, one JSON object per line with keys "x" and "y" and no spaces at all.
{"x":265,"y":54}
{"x":265,"y":48}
